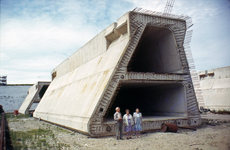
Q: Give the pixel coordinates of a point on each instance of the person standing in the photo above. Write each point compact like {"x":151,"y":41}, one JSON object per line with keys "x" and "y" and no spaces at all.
{"x":118,"y":118}
{"x":128,"y":121}
{"x":137,"y":116}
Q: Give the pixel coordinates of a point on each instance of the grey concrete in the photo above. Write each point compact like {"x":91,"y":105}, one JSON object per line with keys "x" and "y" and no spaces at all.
{"x":215,"y":86}
{"x":138,"y":61}
{"x":162,"y":99}
{"x":216,"y":117}
{"x":156,"y":52}
{"x":35,"y":94}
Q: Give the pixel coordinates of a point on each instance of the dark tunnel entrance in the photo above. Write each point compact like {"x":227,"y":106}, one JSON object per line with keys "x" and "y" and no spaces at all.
{"x":43,"y":90}
{"x":156,"y":52}
{"x":153,"y":99}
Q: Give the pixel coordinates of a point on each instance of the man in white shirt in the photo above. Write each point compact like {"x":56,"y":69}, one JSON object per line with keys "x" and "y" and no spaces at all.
{"x":118,"y":118}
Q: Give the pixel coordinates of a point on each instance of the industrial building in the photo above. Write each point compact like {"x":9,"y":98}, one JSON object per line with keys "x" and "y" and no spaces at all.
{"x":139,"y":61}
{"x":3,"y":80}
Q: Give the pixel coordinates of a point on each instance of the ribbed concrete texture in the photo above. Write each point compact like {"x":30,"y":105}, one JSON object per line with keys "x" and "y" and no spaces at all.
{"x":215,"y":86}
{"x":138,"y":61}
{"x":35,"y":94}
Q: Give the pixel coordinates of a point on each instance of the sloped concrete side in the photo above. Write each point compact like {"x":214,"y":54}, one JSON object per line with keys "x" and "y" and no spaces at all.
{"x":71,"y":99}
{"x":32,"y":92}
{"x":35,"y":94}
{"x":93,"y":48}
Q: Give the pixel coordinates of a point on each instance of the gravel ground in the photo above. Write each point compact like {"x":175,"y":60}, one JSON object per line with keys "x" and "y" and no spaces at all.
{"x":206,"y":137}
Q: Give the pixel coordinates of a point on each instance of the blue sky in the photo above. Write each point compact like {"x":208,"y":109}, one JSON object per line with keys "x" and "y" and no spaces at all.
{"x":37,"y":35}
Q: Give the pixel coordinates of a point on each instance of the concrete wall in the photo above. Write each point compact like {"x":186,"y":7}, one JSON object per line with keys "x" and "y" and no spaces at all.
{"x":35,"y":94}
{"x":31,"y":93}
{"x":92,"y":49}
{"x":81,"y":92}
{"x":156,"y":52}
{"x":215,"y":85}
{"x":75,"y":92}
{"x":153,"y":99}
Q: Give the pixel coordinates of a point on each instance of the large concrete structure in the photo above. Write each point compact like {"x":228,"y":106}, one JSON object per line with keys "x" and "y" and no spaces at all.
{"x":35,"y":94}
{"x":138,"y":61}
{"x":215,"y":86}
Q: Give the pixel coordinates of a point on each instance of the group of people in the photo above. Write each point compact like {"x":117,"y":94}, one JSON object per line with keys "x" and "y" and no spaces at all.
{"x":132,"y":123}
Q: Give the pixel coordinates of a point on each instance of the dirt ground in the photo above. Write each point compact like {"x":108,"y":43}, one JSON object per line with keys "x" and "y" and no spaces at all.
{"x":206,"y":137}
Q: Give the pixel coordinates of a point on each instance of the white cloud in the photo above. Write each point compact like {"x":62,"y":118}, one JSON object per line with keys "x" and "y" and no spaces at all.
{"x":155,"y":5}
{"x":43,"y":34}
{"x":36,"y":36}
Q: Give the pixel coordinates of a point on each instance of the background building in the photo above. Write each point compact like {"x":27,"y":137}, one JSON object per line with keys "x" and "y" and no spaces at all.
{"x":215,"y":86}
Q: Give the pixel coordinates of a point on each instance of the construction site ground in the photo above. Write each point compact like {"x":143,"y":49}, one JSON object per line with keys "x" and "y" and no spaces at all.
{"x":30,"y":133}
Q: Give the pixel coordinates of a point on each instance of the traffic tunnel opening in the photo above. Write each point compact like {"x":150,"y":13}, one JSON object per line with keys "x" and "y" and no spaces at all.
{"x":156,"y":52}
{"x":153,"y":99}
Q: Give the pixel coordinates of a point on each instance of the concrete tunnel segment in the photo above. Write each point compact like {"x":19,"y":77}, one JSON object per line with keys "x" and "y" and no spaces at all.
{"x":35,"y":94}
{"x":141,"y":60}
